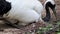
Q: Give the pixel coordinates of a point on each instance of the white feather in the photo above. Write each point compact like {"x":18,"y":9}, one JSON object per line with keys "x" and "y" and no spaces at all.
{"x":25,"y":10}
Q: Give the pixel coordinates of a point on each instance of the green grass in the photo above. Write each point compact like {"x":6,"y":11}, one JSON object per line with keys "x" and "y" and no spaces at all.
{"x":49,"y":27}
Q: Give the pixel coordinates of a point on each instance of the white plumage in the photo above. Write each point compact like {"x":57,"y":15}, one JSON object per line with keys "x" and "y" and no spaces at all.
{"x":26,"y":11}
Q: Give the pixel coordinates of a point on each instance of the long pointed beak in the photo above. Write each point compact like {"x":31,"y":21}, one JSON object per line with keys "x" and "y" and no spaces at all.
{"x":54,"y":11}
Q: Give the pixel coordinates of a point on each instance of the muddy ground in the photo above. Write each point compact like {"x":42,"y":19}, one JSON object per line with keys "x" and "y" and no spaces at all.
{"x":30,"y":28}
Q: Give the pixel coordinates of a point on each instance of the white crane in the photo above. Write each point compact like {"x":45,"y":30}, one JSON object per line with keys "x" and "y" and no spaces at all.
{"x":24,"y":11}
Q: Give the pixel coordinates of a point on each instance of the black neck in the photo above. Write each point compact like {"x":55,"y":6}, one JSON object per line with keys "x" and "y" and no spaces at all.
{"x":47,"y":11}
{"x":47,"y":6}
